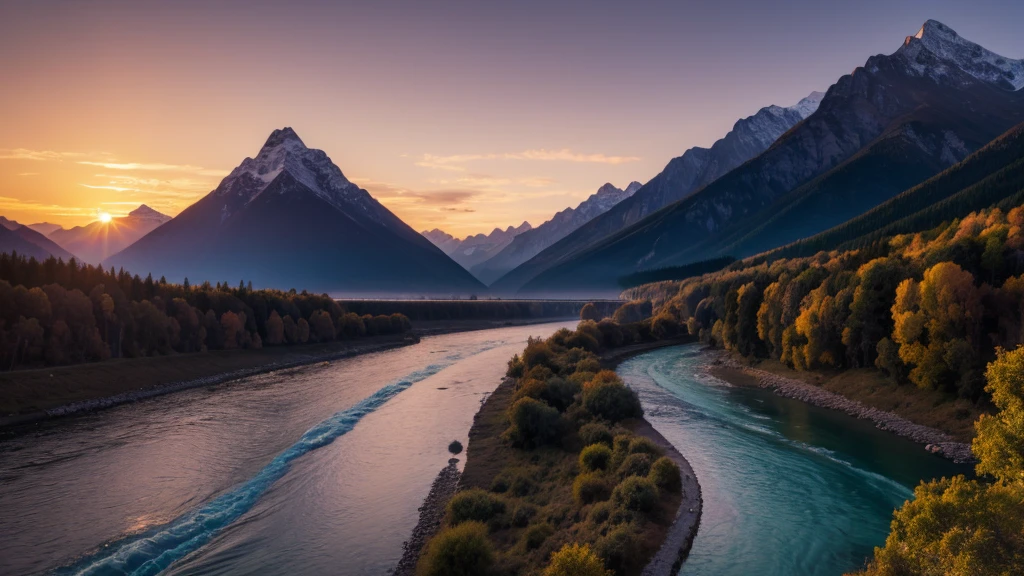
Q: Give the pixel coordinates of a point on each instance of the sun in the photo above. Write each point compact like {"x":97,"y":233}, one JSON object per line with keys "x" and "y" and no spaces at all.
{"x":104,"y":217}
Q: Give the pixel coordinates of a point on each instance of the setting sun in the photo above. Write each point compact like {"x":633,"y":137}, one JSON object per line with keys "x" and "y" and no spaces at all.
{"x":104,"y":217}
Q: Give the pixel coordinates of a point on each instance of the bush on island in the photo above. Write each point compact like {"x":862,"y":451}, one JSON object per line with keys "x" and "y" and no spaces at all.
{"x":576,"y":560}
{"x":635,"y":465}
{"x":611,"y":401}
{"x":636,"y":494}
{"x":595,"y":457}
{"x":595,"y":433}
{"x":665,"y":475}
{"x":536,"y":534}
{"x":474,"y":505}
{"x":590,"y":487}
{"x":533,"y":423}
{"x":618,"y":548}
{"x":462,"y":550}
{"x":455,"y":447}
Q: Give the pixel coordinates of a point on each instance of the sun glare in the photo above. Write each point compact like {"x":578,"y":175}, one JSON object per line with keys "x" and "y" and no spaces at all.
{"x":105,"y":217}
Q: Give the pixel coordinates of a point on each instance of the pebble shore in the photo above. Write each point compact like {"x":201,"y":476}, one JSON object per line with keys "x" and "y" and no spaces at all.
{"x":935,"y":441}
{"x":431,"y":514}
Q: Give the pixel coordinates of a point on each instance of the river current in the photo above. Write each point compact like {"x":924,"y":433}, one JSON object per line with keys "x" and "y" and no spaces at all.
{"x":321,"y":469}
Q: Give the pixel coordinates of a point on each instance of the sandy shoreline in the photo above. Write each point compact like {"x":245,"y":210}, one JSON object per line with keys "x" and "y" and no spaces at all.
{"x":937,"y":442}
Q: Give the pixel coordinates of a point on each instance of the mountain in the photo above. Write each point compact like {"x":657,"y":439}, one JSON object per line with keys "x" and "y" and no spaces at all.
{"x":477,"y":248}
{"x":529,"y":244}
{"x":889,"y":125}
{"x":289,"y":218}
{"x":696,"y":168}
{"x":15,"y":237}
{"x":94,"y":242}
{"x":992,"y":176}
{"x":45,"y":228}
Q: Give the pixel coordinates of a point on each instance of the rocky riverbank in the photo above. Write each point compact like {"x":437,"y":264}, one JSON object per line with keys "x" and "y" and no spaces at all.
{"x":935,"y":441}
{"x":431,"y":515}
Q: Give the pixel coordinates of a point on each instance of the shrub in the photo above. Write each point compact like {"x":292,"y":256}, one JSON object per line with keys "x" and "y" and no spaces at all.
{"x":583,"y":340}
{"x":635,"y":465}
{"x":560,"y":393}
{"x":611,"y":333}
{"x":474,"y":505}
{"x":522,"y":515}
{"x":641,"y":445}
{"x":538,"y":353}
{"x":590,"y":487}
{"x":536,"y":534}
{"x":534,"y":423}
{"x":462,"y":550}
{"x":665,"y":475}
{"x":621,"y":444}
{"x":455,"y":447}
{"x":590,"y":312}
{"x":636,"y":494}
{"x":600,"y":512}
{"x":634,"y":311}
{"x":595,"y":433}
{"x":576,"y":560}
{"x":530,"y":388}
{"x":618,"y":548}
{"x":588,"y":364}
{"x":610,"y":401}
{"x":595,"y":457}
{"x":515,"y":367}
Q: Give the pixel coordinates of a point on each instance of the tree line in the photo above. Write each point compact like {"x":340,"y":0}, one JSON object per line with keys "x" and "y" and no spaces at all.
{"x":55,"y":312}
{"x":929,"y":308}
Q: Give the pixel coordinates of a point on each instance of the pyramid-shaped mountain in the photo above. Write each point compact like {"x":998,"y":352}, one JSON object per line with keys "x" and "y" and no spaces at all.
{"x":96,"y":241}
{"x":289,"y":218}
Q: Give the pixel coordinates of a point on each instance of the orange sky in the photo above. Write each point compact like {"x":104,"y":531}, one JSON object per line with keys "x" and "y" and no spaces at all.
{"x":463,"y":116}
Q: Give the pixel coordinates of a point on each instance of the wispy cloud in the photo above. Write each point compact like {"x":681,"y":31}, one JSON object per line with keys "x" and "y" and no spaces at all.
{"x":37,"y":155}
{"x":452,"y":162}
{"x":28,"y":174}
{"x":14,"y":204}
{"x":156,"y":167}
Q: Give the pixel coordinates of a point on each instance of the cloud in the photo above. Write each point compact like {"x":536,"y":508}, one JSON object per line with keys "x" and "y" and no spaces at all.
{"x":28,"y":174}
{"x":564,"y":155}
{"x":156,"y":167}
{"x":458,"y":209}
{"x":7,"y":203}
{"x":37,"y":155}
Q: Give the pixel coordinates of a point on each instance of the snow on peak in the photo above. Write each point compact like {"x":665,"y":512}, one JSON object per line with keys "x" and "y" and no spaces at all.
{"x":808,"y":105}
{"x":949,"y":47}
{"x":284,"y":152}
{"x":148,"y":213}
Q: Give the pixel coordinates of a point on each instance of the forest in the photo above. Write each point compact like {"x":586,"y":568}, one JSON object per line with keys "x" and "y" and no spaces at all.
{"x":928,"y":308}
{"x":55,"y":312}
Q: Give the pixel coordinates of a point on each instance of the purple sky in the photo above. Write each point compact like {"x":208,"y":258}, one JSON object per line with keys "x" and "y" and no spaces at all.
{"x":539,"y":103}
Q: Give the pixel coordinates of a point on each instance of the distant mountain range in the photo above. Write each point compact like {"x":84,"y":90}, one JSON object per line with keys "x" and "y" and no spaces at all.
{"x":15,"y":237}
{"x":528,"y":244}
{"x":691,"y":171}
{"x":96,"y":241}
{"x":289,"y":218}
{"x":889,"y":125}
{"x":475,"y":249}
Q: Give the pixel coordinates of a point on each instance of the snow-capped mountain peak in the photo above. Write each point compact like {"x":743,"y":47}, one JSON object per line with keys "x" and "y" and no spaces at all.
{"x":950,"y":48}
{"x":807,"y":106}
{"x":148,"y":213}
{"x":284,"y":152}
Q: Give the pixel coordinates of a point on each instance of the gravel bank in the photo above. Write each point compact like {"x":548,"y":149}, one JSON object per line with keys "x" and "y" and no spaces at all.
{"x":934,"y":440}
{"x":431,"y":514}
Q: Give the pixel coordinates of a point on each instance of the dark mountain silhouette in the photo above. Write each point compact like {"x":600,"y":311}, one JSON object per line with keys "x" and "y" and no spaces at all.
{"x":696,"y":168}
{"x":289,"y":218}
{"x":472,"y":250}
{"x":889,"y":125}
{"x":530,"y":243}
{"x":15,"y":237}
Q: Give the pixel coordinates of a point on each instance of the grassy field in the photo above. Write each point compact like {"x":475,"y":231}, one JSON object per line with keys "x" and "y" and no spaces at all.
{"x":938,"y":410}
{"x":28,"y":391}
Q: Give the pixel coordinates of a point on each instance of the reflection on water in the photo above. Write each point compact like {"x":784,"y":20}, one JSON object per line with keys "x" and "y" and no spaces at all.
{"x":788,"y":488}
{"x":315,"y":471}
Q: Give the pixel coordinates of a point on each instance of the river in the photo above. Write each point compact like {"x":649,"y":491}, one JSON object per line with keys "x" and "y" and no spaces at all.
{"x":320,"y":470}
{"x":788,"y":488}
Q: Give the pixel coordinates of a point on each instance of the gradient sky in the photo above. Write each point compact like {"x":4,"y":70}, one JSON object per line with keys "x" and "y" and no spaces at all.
{"x":458,"y":115}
